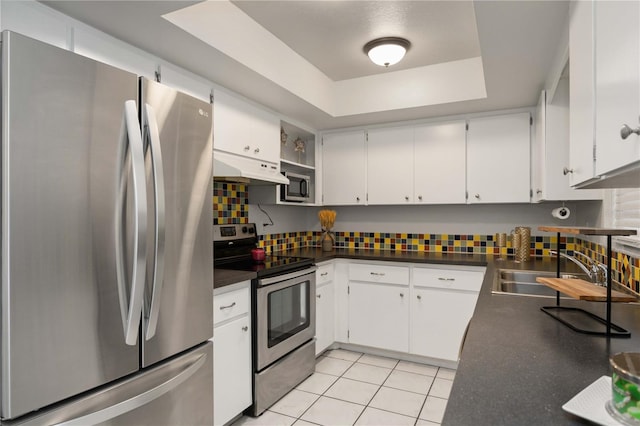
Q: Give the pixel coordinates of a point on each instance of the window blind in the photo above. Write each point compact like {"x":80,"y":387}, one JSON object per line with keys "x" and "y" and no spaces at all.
{"x":626,"y":212}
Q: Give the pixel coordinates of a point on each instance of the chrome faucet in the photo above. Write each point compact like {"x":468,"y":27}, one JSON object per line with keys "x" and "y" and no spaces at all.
{"x":596,"y":271}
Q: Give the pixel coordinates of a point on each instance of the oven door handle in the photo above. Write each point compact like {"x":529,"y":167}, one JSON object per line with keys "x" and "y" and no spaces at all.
{"x":285,"y":277}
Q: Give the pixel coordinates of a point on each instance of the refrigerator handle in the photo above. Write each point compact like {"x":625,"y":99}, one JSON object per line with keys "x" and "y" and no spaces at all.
{"x":144,"y":398}
{"x":130,"y":152}
{"x":151,"y":132}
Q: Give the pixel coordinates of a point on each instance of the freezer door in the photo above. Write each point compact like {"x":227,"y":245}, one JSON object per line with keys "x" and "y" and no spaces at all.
{"x":176,"y":392}
{"x":62,"y":128}
{"x":177,"y":132}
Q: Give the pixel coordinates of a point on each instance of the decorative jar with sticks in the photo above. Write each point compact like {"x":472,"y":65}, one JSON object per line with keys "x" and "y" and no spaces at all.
{"x":327,"y":220}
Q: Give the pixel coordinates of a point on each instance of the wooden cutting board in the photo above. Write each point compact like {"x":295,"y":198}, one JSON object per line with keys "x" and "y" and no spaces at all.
{"x":584,"y":290}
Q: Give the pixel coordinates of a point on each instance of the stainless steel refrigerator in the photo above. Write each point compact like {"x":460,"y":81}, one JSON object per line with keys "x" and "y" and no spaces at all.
{"x":107,"y":263}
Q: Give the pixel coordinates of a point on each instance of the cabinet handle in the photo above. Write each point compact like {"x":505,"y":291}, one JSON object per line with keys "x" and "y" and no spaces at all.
{"x":420,"y":197}
{"x":539,"y":191}
{"x":247,"y":148}
{"x":358,"y":199}
{"x":626,"y":131}
{"x":446,"y":279}
{"x":324,"y":274}
{"x":406,"y":198}
{"x":228,"y":306}
{"x":245,"y":328}
{"x":566,"y":171}
{"x":401,"y":294}
{"x":477,"y":196}
{"x":257,"y":150}
{"x":377,"y":274}
{"x":419,"y":297}
{"x":318,"y":296}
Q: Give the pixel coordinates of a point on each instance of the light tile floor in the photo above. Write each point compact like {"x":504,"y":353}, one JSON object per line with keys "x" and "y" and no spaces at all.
{"x":351,"y":388}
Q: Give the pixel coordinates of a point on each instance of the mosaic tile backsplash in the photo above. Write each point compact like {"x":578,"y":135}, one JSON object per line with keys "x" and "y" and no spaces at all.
{"x":231,"y":205}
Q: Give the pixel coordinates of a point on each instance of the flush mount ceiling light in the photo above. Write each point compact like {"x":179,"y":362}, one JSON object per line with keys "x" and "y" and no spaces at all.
{"x":386,"y":51}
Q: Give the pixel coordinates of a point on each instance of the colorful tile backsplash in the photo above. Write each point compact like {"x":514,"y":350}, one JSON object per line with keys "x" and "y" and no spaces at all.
{"x":231,"y":205}
{"x":626,"y":269}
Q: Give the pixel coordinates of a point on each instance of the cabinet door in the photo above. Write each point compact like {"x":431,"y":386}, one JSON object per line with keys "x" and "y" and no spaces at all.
{"x":439,"y":319}
{"x":344,"y":168}
{"x":324,"y":317}
{"x":581,"y":92}
{"x":390,"y":166}
{"x":244,"y":129}
{"x":379,"y":316}
{"x":550,"y":161}
{"x":498,"y":159}
{"x":617,"y":53}
{"x":232,"y":369}
{"x":439,"y":163}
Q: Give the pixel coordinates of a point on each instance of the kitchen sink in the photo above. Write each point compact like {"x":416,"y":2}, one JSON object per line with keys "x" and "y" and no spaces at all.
{"x":523,"y":283}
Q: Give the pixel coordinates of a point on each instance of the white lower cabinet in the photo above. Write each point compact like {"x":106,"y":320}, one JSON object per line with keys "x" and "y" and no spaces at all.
{"x":325,"y":335}
{"x":442,"y":304}
{"x":231,"y":353}
{"x":379,"y":307}
{"x":420,"y":310}
{"x":325,"y":307}
{"x":379,"y":316}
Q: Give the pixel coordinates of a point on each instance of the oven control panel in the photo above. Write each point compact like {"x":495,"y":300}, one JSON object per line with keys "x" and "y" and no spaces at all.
{"x":234,"y":231}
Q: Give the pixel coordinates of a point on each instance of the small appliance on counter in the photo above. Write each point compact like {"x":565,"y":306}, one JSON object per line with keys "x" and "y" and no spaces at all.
{"x":283,"y":312}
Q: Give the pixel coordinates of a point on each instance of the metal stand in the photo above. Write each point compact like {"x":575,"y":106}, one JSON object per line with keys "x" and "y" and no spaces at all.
{"x":573,"y":315}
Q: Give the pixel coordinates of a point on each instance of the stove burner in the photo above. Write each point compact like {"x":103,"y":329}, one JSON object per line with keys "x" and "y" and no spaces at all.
{"x":232,"y":250}
{"x":272,"y":265}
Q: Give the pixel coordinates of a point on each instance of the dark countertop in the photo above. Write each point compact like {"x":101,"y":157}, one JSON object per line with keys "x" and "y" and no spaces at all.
{"x":225,"y":277}
{"x":518,"y":365}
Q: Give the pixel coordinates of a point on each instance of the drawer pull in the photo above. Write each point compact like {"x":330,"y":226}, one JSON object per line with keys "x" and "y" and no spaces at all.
{"x":318,"y":296}
{"x":419,"y":297}
{"x":401,"y":294}
{"x":377,"y":274}
{"x":228,"y":306}
{"x":446,"y":279}
{"x":324,"y":274}
{"x":245,"y":328}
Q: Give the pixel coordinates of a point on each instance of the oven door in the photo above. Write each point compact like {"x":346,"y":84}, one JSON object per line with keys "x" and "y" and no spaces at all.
{"x":285,"y":314}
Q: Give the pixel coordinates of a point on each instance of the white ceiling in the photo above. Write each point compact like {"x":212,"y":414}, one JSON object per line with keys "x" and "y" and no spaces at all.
{"x":331,"y":34}
{"x":517,"y":41}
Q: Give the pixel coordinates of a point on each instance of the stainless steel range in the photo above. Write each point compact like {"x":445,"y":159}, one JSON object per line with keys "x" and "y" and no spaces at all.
{"x":283,"y":313}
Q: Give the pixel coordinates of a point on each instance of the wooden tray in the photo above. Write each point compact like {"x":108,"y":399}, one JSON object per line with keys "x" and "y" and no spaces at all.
{"x":584,"y":290}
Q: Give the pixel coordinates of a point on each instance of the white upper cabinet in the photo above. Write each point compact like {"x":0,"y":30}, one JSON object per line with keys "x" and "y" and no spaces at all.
{"x":498,"y":159}
{"x":390,"y":165}
{"x":344,"y":168}
{"x":617,"y":76}
{"x":439,"y":163}
{"x":244,"y":129}
{"x":581,"y":92}
{"x":550,"y":167}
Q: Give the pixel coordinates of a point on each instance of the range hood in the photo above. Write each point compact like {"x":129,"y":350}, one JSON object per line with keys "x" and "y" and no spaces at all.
{"x":231,"y":167}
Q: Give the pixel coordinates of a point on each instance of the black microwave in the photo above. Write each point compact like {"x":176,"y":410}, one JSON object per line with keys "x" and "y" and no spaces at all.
{"x":298,"y":188}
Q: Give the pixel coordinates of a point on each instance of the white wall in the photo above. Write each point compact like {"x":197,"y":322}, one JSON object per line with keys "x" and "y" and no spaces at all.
{"x":460,"y":219}
{"x":285,"y":218}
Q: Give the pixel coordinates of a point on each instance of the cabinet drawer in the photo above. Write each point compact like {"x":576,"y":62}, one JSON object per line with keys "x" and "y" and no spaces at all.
{"x":379,"y":274}
{"x":231,"y":304}
{"x":448,"y":278}
{"x":324,"y":274}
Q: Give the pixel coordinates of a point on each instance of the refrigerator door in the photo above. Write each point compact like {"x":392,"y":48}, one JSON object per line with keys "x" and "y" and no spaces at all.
{"x":178,"y":310}
{"x":63,"y":129}
{"x":176,"y":392}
